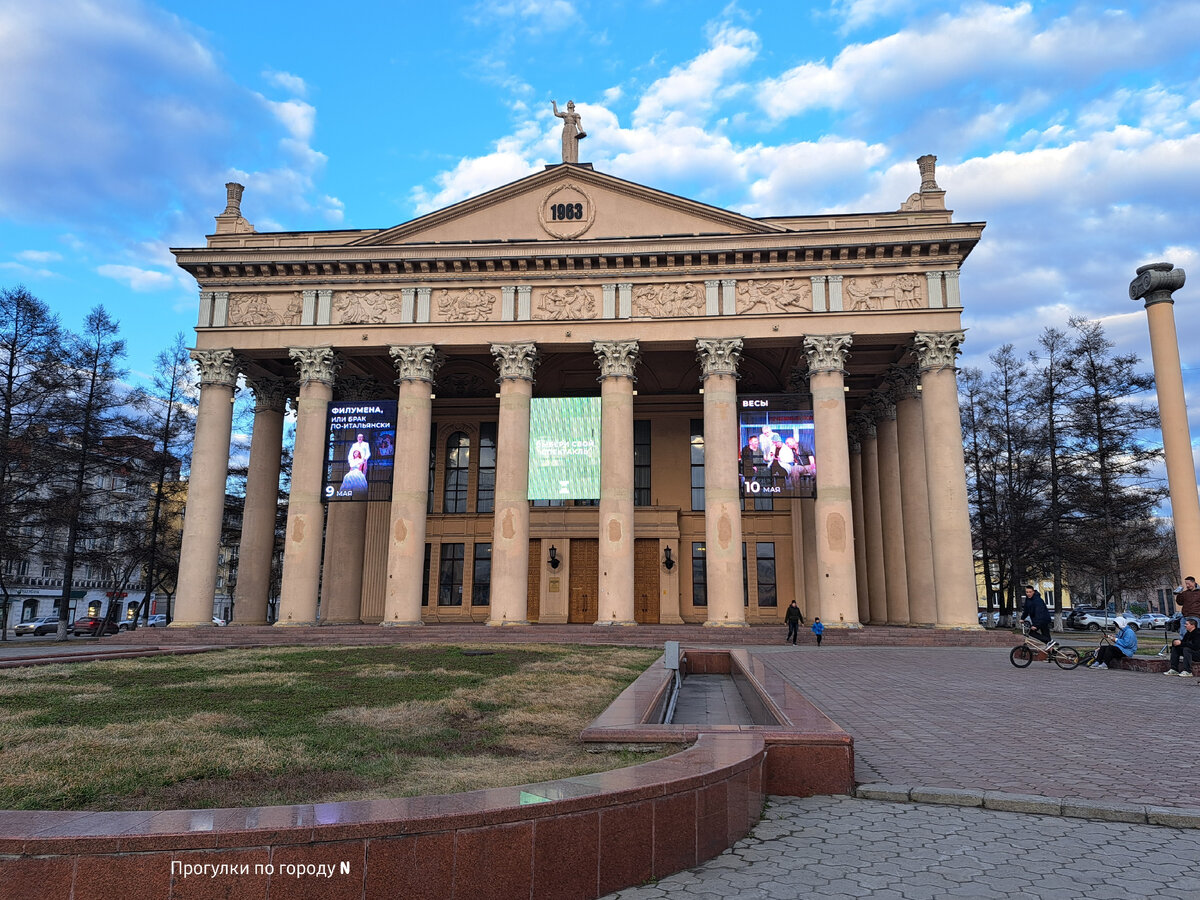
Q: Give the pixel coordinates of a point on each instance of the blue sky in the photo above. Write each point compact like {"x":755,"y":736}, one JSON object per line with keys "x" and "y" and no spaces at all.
{"x":1072,"y":129}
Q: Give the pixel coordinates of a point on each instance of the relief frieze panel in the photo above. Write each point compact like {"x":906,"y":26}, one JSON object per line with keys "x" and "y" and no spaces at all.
{"x":256,"y":309}
{"x":364,"y":307}
{"x":566,"y":303}
{"x":471,"y":305}
{"x":777,"y":295}
{"x":883,"y":292}
{"x":664,"y":301}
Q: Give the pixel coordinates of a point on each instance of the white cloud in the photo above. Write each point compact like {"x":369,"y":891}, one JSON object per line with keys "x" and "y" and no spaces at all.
{"x":690,"y":91}
{"x":298,"y":117}
{"x":39,"y":256}
{"x":292,"y":84}
{"x":534,"y":15}
{"x":857,"y":13}
{"x":136,"y":279}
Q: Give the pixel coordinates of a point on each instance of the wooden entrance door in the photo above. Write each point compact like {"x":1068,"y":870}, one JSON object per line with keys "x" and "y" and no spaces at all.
{"x":534,"y":595}
{"x":584,"y":605}
{"x":645,"y":581}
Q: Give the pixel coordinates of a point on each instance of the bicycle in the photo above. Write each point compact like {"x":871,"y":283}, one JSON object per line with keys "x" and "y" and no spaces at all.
{"x":1088,"y":654}
{"x":1062,"y":656}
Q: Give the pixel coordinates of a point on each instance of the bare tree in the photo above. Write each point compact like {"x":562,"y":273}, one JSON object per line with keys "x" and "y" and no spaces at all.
{"x":30,"y":384}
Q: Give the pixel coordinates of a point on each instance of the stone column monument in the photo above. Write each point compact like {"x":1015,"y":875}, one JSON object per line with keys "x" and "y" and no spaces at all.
{"x":1155,"y":284}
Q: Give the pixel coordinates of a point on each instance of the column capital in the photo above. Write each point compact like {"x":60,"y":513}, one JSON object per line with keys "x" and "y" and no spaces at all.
{"x":904,"y":382}
{"x":270,"y":394}
{"x":883,"y":407}
{"x":864,"y":425}
{"x":835,"y":279}
{"x":416,"y":362}
{"x":1156,"y":282}
{"x":616,"y":359}
{"x":216,"y":366}
{"x":827,"y":352}
{"x":316,"y":364}
{"x":719,"y":356}
{"x":354,"y":388}
{"x":517,"y":361}
{"x":937,"y":349}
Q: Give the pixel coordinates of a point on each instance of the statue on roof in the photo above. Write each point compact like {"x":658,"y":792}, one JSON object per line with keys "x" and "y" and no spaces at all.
{"x":572,"y":131}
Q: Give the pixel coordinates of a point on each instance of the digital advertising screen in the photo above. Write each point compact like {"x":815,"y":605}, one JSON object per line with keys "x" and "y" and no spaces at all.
{"x":361,"y":448}
{"x":564,"y":448}
{"x":776,"y":455}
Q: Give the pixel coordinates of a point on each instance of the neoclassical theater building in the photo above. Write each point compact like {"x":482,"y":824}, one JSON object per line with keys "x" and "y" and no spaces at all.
{"x":571,"y":283}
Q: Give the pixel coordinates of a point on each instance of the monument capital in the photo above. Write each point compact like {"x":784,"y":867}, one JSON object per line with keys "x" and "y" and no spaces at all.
{"x":1156,"y":282}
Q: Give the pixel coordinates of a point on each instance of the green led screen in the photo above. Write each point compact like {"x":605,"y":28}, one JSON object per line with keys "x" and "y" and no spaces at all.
{"x":564,"y":448}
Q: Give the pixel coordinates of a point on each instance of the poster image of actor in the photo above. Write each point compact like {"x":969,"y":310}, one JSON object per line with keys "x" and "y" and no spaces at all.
{"x":359,"y":455}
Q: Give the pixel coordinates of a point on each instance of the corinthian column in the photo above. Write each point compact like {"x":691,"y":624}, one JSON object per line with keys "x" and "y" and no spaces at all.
{"x":1155,"y":284}
{"x":206,"y":487}
{"x":860,"y":528}
{"x":262,"y":501}
{"x":617,"y":361}
{"x":722,"y":494}
{"x":306,"y":512}
{"x":416,"y":366}
{"x":510,"y":532}
{"x":890,"y":512}
{"x":914,"y":491}
{"x":827,"y":355}
{"x":945,"y":471}
{"x":875,"y":575}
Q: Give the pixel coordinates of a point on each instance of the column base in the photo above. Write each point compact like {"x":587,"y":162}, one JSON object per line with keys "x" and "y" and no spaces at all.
{"x":844,"y":626}
{"x":612,"y":622}
{"x":415,"y":624}
{"x":970,"y":626}
{"x":294,"y":624}
{"x":708,"y":624}
{"x":504,"y":623}
{"x":899,"y":624}
{"x":179,"y":624}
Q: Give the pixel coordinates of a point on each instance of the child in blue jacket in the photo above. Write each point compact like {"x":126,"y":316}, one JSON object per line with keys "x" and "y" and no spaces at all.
{"x":818,"y":629}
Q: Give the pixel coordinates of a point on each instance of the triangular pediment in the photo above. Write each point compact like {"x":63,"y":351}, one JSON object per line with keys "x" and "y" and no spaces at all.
{"x":569,"y":202}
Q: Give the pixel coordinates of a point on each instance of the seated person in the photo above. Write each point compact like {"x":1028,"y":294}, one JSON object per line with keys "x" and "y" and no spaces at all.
{"x":356,"y":479}
{"x":1186,"y":648}
{"x":1124,"y":644}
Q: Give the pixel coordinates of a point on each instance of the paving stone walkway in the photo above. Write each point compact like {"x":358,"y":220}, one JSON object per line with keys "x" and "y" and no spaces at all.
{"x":965,"y":719}
{"x":842,"y":847}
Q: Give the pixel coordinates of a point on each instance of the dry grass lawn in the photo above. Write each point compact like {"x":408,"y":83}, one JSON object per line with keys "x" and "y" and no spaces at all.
{"x":303,"y":725}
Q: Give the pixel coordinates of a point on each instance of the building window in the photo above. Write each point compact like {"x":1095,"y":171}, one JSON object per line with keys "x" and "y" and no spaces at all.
{"x":641,"y":462}
{"x":697,"y":464}
{"x":432,"y":465}
{"x":549,"y":502}
{"x":425,"y":576}
{"x":458,"y":466}
{"x":481,"y":578}
{"x":767,"y":593}
{"x":450,"y":575}
{"x":45,"y":570}
{"x":485,"y":493}
{"x":745,"y":578}
{"x":699,"y":575}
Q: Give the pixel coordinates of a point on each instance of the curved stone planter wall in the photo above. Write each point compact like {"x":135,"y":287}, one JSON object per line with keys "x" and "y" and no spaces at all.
{"x":577,"y":837}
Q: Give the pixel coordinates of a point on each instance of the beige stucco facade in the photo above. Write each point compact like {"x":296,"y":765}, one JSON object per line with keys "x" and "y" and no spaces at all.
{"x":571,"y":282}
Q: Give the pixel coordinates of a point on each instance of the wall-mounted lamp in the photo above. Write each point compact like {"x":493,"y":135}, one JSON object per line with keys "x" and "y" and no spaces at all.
{"x":555,"y":562}
{"x":668,"y":563}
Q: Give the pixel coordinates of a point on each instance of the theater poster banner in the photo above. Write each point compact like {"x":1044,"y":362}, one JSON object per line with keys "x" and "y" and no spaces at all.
{"x":777,"y":457}
{"x":564,"y":448}
{"x":361,"y":447}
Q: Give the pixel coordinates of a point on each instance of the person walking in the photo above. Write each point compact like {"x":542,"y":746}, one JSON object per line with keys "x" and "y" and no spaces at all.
{"x":1124,"y":645}
{"x":794,"y":619}
{"x":818,"y":629}
{"x":1185,"y":649}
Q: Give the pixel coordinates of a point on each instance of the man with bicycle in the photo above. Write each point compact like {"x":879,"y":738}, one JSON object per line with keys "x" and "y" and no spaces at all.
{"x":1185,"y":648}
{"x":1036,"y":612}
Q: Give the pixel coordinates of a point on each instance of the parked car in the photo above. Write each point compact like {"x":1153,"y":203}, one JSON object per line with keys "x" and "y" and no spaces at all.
{"x":1152,"y":620}
{"x":217,"y":621}
{"x":1071,"y":619}
{"x":39,"y":626}
{"x":158,"y":621}
{"x":1097,"y":620}
{"x":91,"y":625}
